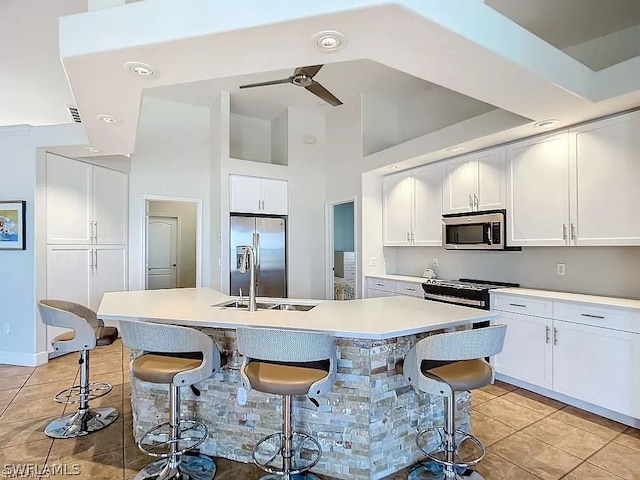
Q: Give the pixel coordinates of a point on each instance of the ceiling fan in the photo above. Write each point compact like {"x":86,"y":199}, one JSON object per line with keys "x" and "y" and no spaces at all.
{"x":303,"y":77}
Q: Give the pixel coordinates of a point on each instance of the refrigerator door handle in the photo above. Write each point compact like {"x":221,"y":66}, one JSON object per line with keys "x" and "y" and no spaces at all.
{"x":256,"y":245}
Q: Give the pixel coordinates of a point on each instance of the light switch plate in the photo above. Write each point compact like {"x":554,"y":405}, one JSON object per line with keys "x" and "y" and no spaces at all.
{"x":373,"y":261}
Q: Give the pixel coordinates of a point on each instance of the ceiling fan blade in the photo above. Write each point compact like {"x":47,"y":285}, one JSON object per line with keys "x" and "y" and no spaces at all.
{"x":309,"y":71}
{"x":262,"y":84}
{"x":323,"y":93}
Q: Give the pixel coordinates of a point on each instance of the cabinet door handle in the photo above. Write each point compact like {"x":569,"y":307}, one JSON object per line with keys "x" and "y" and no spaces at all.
{"x":555,"y":336}
{"x":379,"y":285}
{"x":518,"y":305}
{"x":91,"y":232}
{"x":573,"y":232}
{"x":547,"y":332}
{"x":91,"y":258}
{"x":95,"y":252}
{"x":470,"y":202}
{"x":564,"y":231}
{"x":411,"y":289}
{"x":413,"y":238}
{"x":476,"y":201}
{"x":408,"y":237}
{"x":95,"y":235}
{"x":592,"y":316}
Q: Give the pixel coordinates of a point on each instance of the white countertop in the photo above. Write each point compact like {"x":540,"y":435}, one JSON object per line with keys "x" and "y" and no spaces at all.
{"x":400,"y":278}
{"x":371,"y":318}
{"x":571,"y":297}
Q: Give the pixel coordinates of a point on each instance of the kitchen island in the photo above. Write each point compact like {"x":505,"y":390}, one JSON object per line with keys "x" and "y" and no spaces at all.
{"x":366,"y":424}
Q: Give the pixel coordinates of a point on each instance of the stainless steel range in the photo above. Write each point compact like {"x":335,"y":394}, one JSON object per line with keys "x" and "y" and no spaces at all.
{"x":466,"y":291}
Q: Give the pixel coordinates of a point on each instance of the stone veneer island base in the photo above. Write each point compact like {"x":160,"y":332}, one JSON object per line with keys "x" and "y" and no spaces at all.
{"x":367,"y":423}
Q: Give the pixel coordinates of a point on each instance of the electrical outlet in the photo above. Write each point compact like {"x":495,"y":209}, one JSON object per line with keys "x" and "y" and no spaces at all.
{"x":373,"y":261}
{"x":6,"y":328}
{"x":435,"y":262}
{"x":561,"y":268}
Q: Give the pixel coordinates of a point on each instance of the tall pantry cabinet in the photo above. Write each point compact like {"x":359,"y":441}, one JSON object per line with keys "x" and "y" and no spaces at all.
{"x":86,"y":225}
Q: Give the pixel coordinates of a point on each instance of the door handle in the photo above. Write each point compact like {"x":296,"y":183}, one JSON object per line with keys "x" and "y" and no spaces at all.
{"x":476,"y":201}
{"x":547,"y":332}
{"x":95,"y":235}
{"x":95,"y":252}
{"x":408,"y":236}
{"x":91,"y":258}
{"x":564,"y":231}
{"x":573,"y":232}
{"x":555,"y":336}
{"x":173,"y":265}
{"x":471,"y":201}
{"x":412,"y":237}
{"x":489,"y":235}
{"x":91,"y":233}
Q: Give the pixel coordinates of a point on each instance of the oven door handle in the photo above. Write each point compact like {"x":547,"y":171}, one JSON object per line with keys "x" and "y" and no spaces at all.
{"x":455,"y":300}
{"x":489,"y":234}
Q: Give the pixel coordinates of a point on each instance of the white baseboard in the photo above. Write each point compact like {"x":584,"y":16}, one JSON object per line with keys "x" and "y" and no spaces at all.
{"x":589,"y":407}
{"x":24,"y":359}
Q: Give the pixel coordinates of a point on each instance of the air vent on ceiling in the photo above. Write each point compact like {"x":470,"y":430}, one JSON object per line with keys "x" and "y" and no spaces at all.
{"x":75,"y":114}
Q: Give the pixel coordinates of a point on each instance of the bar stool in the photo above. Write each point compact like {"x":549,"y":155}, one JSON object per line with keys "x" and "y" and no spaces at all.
{"x":88,"y":333}
{"x":287,"y":363}
{"x":178,"y":357}
{"x":442,"y":365}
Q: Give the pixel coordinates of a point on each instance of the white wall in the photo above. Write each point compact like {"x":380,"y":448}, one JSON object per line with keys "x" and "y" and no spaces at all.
{"x":250,"y":138}
{"x":609,"y":271}
{"x":172,"y":158}
{"x":186,"y":213}
{"x":23,"y":279}
{"x":306,"y":204}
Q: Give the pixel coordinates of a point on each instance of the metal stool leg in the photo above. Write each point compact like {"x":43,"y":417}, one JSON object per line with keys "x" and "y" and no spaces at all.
{"x":447,"y":467}
{"x":287,"y":451}
{"x":85,"y":420}
{"x":178,"y":464}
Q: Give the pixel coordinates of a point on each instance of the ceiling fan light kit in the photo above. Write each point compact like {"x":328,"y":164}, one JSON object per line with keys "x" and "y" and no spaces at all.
{"x":303,"y":77}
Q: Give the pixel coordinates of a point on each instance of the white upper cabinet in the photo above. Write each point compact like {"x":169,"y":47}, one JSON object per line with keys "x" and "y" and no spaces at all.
{"x":413,"y":207}
{"x":475,"y":182}
{"x":69,"y":219}
{"x":110,"y":192}
{"x":398,"y":208}
{"x":427,"y":205}
{"x":607,"y":181}
{"x":538,"y":191}
{"x":258,"y":195}
{"x":86,"y":204}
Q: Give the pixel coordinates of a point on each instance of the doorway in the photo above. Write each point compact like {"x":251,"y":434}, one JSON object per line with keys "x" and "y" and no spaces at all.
{"x":171,"y":245}
{"x":342,"y":251}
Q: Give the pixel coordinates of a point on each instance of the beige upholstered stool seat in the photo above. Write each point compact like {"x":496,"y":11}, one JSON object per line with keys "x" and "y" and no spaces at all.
{"x":104,"y":336}
{"x":465,"y":375}
{"x":282,"y":379}
{"x":162,"y":368}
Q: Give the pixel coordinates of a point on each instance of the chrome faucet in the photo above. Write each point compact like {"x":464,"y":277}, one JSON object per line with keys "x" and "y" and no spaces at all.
{"x":249,"y":257}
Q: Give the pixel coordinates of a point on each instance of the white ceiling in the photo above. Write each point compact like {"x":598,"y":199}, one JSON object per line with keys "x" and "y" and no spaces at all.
{"x":33,"y":86}
{"x":346,"y":80}
{"x":564,"y":23}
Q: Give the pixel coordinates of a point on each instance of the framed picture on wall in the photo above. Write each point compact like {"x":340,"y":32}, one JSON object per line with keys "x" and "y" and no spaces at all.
{"x":13,"y":229}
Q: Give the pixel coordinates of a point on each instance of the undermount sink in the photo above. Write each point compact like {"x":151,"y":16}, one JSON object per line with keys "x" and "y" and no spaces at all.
{"x":244,"y":304}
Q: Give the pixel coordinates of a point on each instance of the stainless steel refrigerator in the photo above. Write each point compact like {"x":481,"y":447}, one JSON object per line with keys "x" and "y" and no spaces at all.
{"x":268,"y":235}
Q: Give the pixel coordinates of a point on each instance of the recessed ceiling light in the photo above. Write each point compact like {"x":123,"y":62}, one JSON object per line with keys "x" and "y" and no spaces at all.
{"x":92,"y":149}
{"x":107,"y":118}
{"x":546,"y":123}
{"x":394,"y":167}
{"x":329,"y":40}
{"x":455,"y":149}
{"x":141,"y":69}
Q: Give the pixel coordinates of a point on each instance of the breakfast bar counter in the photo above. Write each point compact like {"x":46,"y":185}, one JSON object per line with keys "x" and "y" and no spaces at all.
{"x":368,"y":421}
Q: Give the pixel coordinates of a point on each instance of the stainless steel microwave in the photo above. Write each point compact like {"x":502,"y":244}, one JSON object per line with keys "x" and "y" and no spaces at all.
{"x":476,"y":231}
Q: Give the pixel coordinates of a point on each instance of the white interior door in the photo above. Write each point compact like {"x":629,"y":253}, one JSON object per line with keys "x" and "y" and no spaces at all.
{"x":162,"y":253}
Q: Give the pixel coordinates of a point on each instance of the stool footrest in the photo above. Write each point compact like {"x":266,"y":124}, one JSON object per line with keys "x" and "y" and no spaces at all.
{"x":296,"y":452}
{"x":422,"y":440}
{"x":74,"y":395}
{"x":190,"y":432}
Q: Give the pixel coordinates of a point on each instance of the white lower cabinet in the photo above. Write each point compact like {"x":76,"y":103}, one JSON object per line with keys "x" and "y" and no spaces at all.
{"x":589,"y":358}
{"x":597,"y":365}
{"x":527,"y":352}
{"x":83,"y":274}
{"x":385,"y":287}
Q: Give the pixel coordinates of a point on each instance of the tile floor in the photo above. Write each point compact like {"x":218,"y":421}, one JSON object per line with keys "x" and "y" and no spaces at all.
{"x":527,"y":436}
